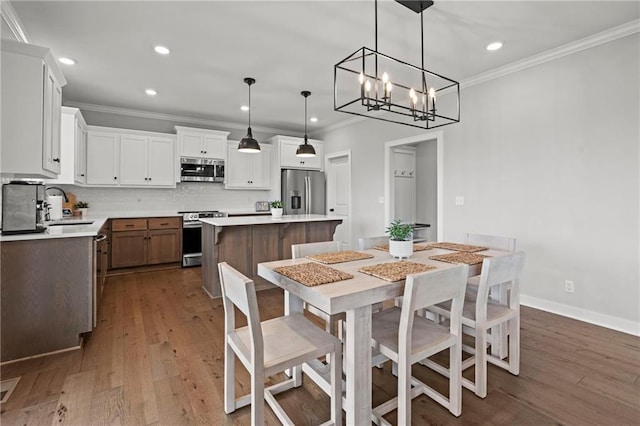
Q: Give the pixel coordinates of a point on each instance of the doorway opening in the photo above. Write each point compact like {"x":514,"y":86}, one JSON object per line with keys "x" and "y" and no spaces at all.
{"x":338,"y":171}
{"x":418,"y":193}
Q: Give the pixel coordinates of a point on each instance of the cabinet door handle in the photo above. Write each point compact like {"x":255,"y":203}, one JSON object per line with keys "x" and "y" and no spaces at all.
{"x":115,"y":177}
{"x":164,"y":224}
{"x":129,"y":225}
{"x":57,"y":160}
{"x":82,"y":174}
{"x":149,"y":178}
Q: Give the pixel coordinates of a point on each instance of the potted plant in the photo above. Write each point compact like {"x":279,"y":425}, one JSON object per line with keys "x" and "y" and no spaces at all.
{"x":277,"y":207}
{"x":400,"y":239}
{"x":82,"y":207}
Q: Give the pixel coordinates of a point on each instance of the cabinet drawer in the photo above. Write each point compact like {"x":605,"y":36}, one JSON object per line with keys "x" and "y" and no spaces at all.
{"x":128,"y":225}
{"x":165,"y":223}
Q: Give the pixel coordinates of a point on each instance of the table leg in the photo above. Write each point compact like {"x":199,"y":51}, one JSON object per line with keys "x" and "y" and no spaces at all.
{"x":293,"y":305}
{"x":357,"y":353}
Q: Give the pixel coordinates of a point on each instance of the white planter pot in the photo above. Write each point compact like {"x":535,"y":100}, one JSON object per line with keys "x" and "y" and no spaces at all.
{"x":276,"y":212}
{"x":401,"y":249}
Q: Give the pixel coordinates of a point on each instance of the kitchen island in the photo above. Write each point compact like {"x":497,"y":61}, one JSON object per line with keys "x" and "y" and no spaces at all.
{"x":49,"y":289}
{"x":245,"y":241}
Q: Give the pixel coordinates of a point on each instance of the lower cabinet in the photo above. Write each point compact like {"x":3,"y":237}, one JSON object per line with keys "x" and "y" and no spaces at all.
{"x":149,"y":241}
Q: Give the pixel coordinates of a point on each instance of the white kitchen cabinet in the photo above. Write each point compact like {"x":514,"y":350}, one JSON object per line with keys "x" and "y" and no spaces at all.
{"x":140,"y":159}
{"x":248,"y":170}
{"x":287,"y":147}
{"x":103,"y":158}
{"x":201,"y":143}
{"x":73,"y":148}
{"x":31,"y":101}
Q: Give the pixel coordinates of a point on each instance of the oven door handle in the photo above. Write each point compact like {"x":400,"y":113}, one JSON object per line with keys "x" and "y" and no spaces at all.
{"x":192,"y":224}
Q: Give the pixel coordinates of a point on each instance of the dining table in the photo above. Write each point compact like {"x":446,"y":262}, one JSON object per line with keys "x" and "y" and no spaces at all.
{"x":355,"y":297}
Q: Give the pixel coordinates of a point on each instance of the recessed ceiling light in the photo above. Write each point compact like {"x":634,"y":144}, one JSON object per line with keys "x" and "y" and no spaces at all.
{"x":494,"y":46}
{"x":67,"y":61}
{"x":244,"y":108}
{"x":313,"y":119}
{"x":151,"y":92}
{"x":162,"y":50}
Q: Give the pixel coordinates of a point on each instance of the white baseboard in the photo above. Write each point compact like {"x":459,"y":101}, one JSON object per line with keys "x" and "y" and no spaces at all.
{"x":608,"y":321}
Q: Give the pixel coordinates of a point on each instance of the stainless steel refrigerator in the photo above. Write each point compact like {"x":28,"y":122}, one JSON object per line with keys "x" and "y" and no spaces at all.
{"x":303,"y":191}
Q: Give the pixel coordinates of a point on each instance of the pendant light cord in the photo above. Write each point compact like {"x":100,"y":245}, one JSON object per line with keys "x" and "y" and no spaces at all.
{"x":250,"y":105}
{"x":305,"y":119}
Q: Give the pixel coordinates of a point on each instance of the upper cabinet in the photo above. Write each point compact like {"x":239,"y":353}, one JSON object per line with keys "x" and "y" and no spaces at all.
{"x":248,"y":170}
{"x":287,"y":147}
{"x":31,"y":105}
{"x":73,"y":148}
{"x":201,"y":143}
{"x":129,"y":158}
{"x":103,"y":158}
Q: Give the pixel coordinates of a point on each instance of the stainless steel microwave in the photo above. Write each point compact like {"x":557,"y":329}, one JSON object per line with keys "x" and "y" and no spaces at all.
{"x":201,"y":170}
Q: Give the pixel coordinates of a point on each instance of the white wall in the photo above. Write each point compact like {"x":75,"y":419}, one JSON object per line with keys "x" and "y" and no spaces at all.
{"x":549,"y":155}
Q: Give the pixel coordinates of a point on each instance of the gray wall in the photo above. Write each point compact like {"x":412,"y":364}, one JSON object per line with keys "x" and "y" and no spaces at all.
{"x":549,"y":155}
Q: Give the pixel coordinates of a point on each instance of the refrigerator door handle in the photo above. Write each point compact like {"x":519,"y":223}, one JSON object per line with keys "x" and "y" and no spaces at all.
{"x":307,"y":188}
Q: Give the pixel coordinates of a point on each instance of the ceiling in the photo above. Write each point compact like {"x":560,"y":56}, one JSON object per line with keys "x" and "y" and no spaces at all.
{"x":287,"y":46}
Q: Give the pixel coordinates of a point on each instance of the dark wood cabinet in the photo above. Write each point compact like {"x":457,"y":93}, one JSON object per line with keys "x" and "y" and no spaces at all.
{"x":149,"y":241}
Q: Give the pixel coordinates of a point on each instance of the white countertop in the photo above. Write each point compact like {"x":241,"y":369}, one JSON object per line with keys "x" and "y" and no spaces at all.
{"x":71,"y":229}
{"x":263,"y":220}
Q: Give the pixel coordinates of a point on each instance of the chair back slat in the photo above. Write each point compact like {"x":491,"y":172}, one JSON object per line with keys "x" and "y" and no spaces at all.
{"x":492,"y":242}
{"x":500,"y":270}
{"x":431,"y":288}
{"x":309,"y":249}
{"x":365,"y":243}
{"x":236,"y":288}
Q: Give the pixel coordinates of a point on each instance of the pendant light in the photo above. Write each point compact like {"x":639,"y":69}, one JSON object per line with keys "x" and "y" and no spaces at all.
{"x":248,"y":143}
{"x":305,"y":149}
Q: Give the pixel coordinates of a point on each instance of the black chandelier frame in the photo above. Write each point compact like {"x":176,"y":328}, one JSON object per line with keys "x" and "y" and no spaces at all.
{"x":374,"y":104}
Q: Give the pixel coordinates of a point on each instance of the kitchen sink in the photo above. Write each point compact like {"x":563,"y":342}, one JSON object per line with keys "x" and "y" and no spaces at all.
{"x":71,"y":222}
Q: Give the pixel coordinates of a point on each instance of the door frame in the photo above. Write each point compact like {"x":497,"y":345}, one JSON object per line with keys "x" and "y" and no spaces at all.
{"x":327,"y":162}
{"x":438,"y":136}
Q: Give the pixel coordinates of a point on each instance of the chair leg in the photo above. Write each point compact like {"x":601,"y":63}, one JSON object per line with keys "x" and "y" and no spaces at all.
{"x":229,"y":380}
{"x":404,"y":392}
{"x":455,"y":379}
{"x":257,"y":397}
{"x":514,"y":345}
{"x":336,"y":386}
{"x":481,"y":363}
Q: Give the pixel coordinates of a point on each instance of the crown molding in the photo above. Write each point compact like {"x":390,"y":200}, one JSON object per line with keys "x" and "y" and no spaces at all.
{"x":170,"y":117}
{"x":13,"y":21}
{"x":594,"y":40}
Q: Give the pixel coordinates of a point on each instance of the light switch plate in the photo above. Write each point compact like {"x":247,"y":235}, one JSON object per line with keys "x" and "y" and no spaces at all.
{"x":459,"y":200}
{"x":380,"y":200}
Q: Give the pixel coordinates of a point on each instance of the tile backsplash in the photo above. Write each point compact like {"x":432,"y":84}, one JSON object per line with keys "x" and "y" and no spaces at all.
{"x":186,"y":196}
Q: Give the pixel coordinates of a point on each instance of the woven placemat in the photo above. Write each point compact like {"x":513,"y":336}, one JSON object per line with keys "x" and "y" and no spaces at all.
{"x":395,"y":271}
{"x":312,"y":274}
{"x":460,"y":257}
{"x":340,"y":256}
{"x":457,"y":247}
{"x":416,"y":247}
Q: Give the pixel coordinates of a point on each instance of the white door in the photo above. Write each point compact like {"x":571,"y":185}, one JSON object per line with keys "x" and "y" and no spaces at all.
{"x":339,"y":194}
{"x":103,"y":150}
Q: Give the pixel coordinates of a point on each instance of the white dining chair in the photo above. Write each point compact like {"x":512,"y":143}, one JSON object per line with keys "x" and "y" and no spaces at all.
{"x":498,"y":336}
{"x":481,"y":314}
{"x":407,"y":338}
{"x":332,"y":322}
{"x":269,"y":347}
{"x":365,"y":243}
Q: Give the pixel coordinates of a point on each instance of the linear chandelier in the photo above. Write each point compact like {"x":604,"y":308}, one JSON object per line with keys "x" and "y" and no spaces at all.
{"x":374,"y":85}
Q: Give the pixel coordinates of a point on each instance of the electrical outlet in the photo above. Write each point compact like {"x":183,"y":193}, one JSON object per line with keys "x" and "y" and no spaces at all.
{"x":459,"y":200}
{"x":569,"y":286}
{"x":380,"y":200}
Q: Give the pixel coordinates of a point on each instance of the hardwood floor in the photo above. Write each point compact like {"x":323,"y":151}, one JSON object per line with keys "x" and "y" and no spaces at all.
{"x":156,"y":357}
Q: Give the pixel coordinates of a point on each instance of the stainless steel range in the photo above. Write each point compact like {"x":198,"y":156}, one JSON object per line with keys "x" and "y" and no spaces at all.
{"x":192,"y":235}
